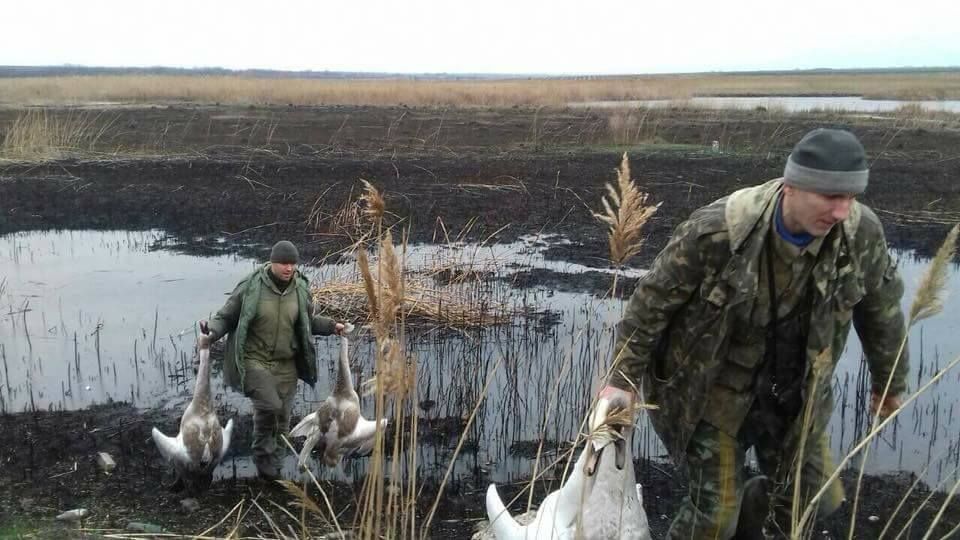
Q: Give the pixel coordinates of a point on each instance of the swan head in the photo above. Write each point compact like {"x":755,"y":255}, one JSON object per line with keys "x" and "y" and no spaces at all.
{"x":610,"y":425}
{"x":599,"y":442}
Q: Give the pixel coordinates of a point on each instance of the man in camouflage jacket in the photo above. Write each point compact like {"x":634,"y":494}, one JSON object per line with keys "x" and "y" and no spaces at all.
{"x":697,"y":340}
{"x":270,"y":321}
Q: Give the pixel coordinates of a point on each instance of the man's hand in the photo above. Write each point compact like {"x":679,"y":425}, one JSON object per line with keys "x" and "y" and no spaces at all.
{"x":611,"y":398}
{"x":892,"y":403}
{"x":204,"y":341}
{"x":338,"y":328}
{"x":205,"y":338}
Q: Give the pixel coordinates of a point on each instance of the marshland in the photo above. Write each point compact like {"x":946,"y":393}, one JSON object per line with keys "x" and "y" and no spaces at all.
{"x":129,"y":207}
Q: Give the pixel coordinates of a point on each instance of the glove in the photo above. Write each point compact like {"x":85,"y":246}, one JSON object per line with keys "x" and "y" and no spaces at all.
{"x":611,"y":400}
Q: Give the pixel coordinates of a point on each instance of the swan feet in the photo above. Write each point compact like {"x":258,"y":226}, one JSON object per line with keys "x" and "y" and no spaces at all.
{"x":177,"y":485}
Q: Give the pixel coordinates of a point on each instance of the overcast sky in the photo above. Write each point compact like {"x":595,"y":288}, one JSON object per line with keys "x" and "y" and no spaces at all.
{"x":484,"y":36}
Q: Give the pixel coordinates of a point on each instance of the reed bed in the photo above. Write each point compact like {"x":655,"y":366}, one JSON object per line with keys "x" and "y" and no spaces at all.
{"x":422,"y":305}
{"x":37,"y":134}
{"x":228,"y":89}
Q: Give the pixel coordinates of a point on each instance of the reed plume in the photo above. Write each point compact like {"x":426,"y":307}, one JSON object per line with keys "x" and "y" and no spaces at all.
{"x":375,"y":206}
{"x":928,"y":300}
{"x":625,"y":213}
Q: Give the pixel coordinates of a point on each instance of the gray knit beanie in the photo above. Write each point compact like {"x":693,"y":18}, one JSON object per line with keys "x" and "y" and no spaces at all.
{"x":284,"y":252}
{"x":828,"y":161}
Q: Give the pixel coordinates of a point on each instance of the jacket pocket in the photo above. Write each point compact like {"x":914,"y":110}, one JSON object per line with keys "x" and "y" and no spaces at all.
{"x":850,"y":291}
{"x":695,"y":330}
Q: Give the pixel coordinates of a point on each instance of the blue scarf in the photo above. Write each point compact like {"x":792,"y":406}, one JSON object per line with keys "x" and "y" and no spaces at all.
{"x":799,"y":239}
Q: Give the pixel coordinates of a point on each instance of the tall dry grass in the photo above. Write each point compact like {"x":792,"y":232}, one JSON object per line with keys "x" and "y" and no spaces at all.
{"x":502,"y":92}
{"x":38,"y":135}
{"x":389,"y":500}
{"x":927,"y":302}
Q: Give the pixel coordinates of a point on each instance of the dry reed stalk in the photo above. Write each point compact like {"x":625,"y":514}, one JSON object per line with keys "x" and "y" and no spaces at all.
{"x":820,"y":365}
{"x":927,"y":302}
{"x":617,"y":420}
{"x":385,"y":509}
{"x":913,"y":486}
{"x":422,"y":305}
{"x":625,"y":213}
{"x":807,"y":513}
{"x":943,"y":509}
{"x":374,"y":204}
{"x":315,"y":217}
{"x":41,"y":134}
{"x":923,"y":504}
{"x":363,"y":263}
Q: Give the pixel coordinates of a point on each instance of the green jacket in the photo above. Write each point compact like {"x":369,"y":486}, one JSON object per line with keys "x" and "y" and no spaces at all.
{"x":689,"y":318}
{"x":238,"y":319}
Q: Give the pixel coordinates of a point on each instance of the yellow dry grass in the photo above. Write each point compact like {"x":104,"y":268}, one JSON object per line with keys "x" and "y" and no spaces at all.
{"x":421,"y":304}
{"x":37,"y":134}
{"x":501,"y":92}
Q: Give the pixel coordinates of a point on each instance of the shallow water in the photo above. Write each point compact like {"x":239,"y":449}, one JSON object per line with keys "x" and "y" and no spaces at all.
{"x":87,"y":317}
{"x":785,"y":103}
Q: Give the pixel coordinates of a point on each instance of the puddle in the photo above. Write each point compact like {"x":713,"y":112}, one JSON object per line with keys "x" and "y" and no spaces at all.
{"x":86,"y":317}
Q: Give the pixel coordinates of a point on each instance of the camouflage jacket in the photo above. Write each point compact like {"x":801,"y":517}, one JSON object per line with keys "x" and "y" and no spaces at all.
{"x":689,"y":316}
{"x":236,"y":319}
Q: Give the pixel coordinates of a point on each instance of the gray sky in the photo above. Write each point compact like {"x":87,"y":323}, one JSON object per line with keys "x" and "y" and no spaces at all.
{"x":484,"y":36}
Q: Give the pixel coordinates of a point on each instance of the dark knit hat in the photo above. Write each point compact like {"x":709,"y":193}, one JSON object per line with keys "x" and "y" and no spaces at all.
{"x":828,"y":161}
{"x":284,"y":252}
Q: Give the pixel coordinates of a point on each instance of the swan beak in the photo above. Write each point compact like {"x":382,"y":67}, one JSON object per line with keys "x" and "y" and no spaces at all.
{"x":595,"y":451}
{"x":593,"y":457}
{"x":620,"y":447}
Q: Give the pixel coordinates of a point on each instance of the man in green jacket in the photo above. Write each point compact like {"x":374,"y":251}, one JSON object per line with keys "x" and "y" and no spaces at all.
{"x":737,"y":329}
{"x":270,"y":321}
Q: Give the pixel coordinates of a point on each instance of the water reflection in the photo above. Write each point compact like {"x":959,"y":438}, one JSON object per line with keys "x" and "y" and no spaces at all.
{"x":86,"y":317}
{"x":785,"y":103}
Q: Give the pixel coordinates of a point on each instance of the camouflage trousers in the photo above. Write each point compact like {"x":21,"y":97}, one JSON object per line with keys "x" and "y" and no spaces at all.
{"x":715,"y":462}
{"x":271,"y":386}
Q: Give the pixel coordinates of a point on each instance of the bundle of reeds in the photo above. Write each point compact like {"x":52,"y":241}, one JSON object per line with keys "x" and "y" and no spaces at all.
{"x":421,"y":305}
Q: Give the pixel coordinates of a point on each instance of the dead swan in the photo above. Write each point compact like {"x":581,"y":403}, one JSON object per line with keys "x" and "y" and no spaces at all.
{"x":557,"y":516}
{"x":611,"y":506}
{"x":201,"y":444}
{"x":337,"y":426}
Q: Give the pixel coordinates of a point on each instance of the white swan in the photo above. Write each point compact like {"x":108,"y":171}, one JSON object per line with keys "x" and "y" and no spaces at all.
{"x":337,"y":425}
{"x":201,"y":443}
{"x":611,"y":508}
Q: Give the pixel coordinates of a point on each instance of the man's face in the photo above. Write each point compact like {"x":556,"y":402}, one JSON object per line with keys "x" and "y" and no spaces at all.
{"x":283,"y":271}
{"x":812,"y":212}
